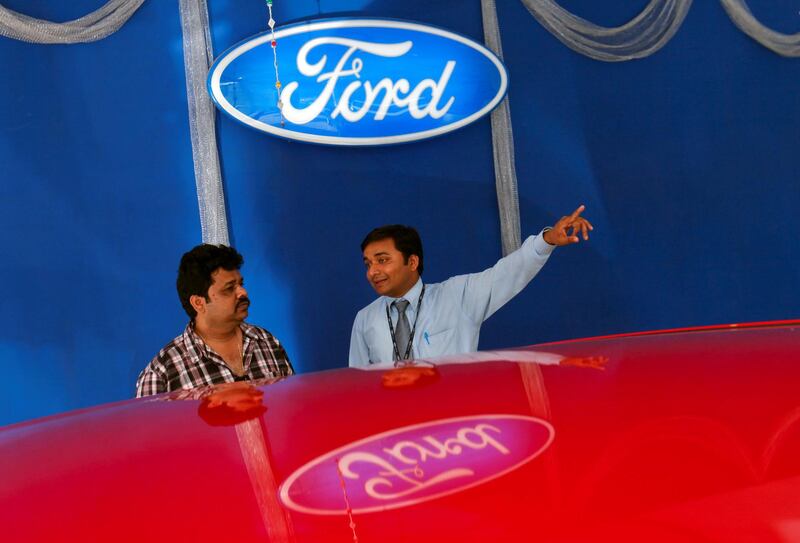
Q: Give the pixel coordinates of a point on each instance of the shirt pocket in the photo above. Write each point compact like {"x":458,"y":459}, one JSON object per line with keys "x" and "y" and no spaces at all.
{"x":436,"y":343}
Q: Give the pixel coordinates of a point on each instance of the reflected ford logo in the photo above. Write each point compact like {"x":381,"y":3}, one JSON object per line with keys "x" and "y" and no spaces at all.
{"x":358,"y":82}
{"x":415,"y":464}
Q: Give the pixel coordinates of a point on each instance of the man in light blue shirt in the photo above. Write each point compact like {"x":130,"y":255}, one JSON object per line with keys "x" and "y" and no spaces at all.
{"x":416,"y":320}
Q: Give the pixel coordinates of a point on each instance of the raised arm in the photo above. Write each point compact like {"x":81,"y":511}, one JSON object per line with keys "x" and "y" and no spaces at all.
{"x":485,"y":292}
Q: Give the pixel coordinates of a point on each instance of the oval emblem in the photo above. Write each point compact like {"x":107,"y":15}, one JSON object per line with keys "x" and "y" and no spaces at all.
{"x":358,"y":82}
{"x":415,"y":464}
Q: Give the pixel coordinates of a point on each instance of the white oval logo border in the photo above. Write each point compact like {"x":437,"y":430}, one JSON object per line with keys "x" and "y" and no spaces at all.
{"x":216,"y":70}
{"x":283,"y":492}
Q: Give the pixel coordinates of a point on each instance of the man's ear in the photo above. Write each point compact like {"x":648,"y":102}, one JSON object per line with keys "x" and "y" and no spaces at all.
{"x":413,"y":261}
{"x":198,"y":303}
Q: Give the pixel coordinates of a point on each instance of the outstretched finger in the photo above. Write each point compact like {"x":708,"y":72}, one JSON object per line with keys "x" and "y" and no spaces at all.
{"x":577,"y":212}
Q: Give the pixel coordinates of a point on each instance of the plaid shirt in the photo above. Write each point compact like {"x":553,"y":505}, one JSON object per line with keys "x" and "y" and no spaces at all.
{"x":187,"y":362}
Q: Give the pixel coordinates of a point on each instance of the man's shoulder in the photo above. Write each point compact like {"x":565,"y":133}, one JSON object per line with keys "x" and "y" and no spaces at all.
{"x":372,"y":308}
{"x":172,"y":351}
{"x":377,"y":303}
{"x":432,"y":290}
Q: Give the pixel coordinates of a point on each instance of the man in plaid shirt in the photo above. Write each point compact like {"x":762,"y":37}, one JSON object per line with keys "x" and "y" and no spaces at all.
{"x":217,"y":346}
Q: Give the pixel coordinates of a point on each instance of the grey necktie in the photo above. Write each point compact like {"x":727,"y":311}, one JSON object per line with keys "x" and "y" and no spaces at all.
{"x":402,"y":330}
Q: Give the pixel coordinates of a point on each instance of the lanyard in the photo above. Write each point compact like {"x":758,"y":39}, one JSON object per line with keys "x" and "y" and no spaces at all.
{"x":413,"y":329}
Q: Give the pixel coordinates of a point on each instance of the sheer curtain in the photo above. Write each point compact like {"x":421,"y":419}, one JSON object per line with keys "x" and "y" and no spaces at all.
{"x":787,"y":45}
{"x":642,"y":36}
{"x":92,"y":27}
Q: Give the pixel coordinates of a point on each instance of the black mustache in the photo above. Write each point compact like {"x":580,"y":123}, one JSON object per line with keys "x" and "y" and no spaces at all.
{"x":243,"y":300}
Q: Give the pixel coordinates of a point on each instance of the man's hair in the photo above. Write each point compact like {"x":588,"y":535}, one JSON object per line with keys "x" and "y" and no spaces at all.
{"x":405,"y":238}
{"x":194,"y":272}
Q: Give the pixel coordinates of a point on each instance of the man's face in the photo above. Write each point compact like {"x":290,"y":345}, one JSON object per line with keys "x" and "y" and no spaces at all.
{"x":387,"y":271}
{"x":227,"y":298}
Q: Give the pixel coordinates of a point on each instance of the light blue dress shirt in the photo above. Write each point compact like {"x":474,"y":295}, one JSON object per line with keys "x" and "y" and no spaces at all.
{"x":452,"y":311}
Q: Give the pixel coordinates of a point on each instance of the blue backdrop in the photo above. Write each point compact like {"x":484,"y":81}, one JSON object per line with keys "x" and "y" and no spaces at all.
{"x":687,"y":161}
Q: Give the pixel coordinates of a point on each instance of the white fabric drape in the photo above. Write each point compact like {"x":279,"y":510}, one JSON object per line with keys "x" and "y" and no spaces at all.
{"x":640,"y":37}
{"x":92,"y":27}
{"x":787,"y":45}
{"x":198,"y":55}
{"x":505,"y":172}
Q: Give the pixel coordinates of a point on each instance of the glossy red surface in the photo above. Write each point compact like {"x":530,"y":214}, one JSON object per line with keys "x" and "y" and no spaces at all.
{"x":689,"y":436}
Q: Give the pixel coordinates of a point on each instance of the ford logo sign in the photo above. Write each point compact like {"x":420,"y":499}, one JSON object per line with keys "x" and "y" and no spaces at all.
{"x":358,"y":82}
{"x":415,"y":464}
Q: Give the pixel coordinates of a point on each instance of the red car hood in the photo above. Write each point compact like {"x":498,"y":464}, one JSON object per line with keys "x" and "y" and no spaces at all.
{"x":681,"y":436}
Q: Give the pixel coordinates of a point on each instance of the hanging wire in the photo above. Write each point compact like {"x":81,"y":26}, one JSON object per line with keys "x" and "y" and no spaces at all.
{"x":274,"y":44}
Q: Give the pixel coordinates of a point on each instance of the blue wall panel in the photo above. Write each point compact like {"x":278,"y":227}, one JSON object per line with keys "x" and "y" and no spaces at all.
{"x":684,"y":158}
{"x":97,"y":199}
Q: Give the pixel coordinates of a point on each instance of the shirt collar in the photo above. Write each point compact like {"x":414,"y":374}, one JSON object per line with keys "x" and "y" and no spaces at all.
{"x":411,"y":296}
{"x":248,"y":331}
{"x":197,"y":348}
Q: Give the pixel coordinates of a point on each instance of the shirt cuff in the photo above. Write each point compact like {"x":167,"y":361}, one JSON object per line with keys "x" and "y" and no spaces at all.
{"x":541,"y":247}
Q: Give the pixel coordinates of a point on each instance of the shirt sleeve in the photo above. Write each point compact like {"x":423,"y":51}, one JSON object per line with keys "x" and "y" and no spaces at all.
{"x":150,"y":381}
{"x":359,"y":352}
{"x":485,"y":292}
